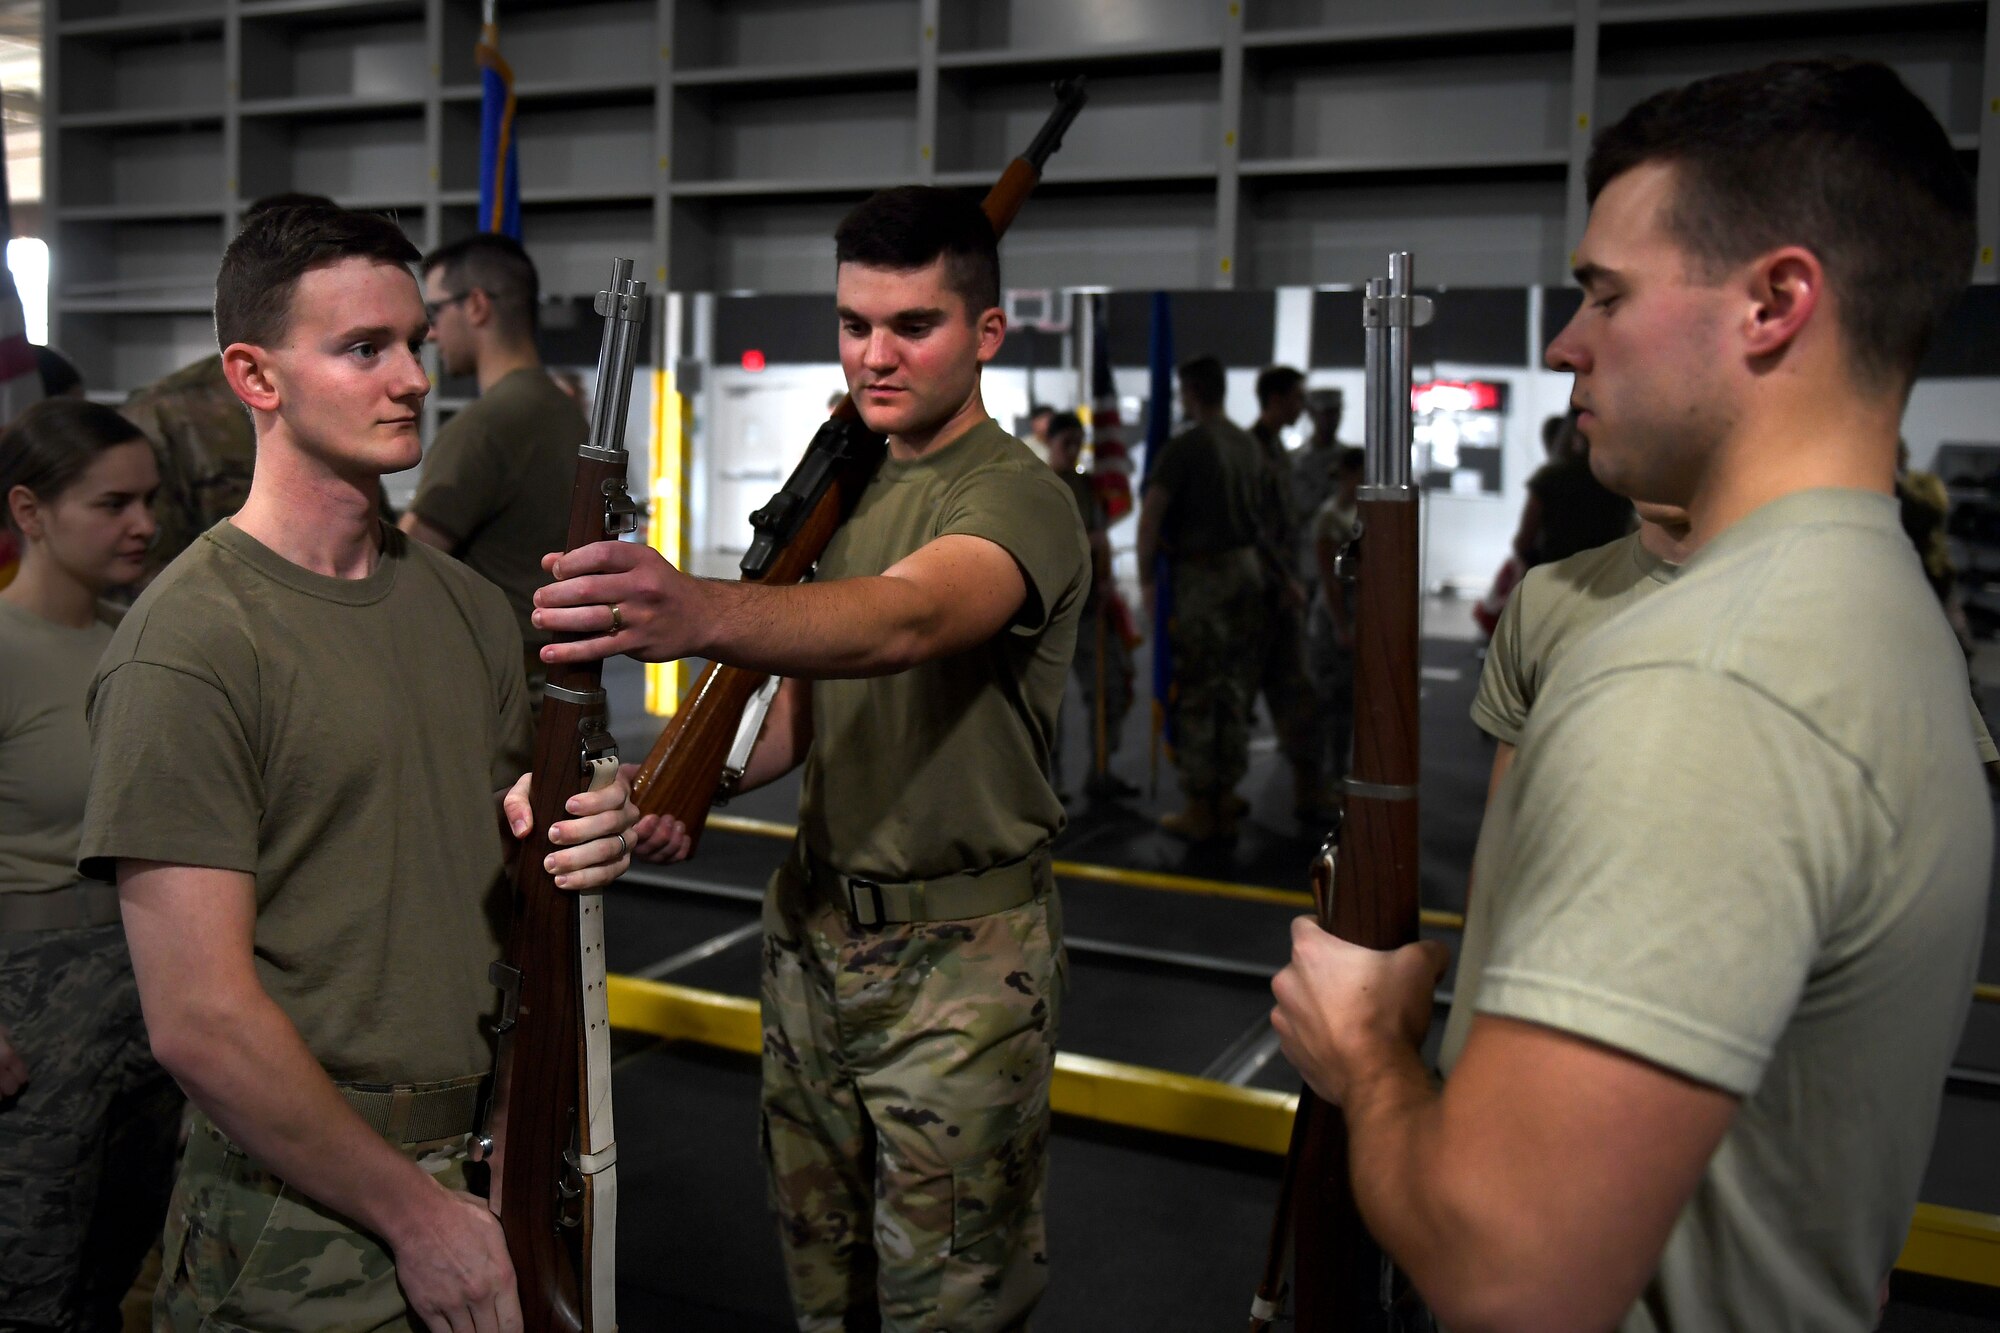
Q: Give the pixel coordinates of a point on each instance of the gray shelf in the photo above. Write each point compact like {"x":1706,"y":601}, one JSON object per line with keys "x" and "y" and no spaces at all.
{"x":717,"y":142}
{"x":144,"y":20}
{"x":830,"y":74}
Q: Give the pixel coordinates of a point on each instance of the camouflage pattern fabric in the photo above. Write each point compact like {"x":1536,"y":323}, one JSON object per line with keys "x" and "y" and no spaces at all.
{"x":87,"y":1146}
{"x":1288,"y":693}
{"x":1218,"y":623}
{"x":244,"y":1251}
{"x":906,"y":1111}
{"x":207,"y":450}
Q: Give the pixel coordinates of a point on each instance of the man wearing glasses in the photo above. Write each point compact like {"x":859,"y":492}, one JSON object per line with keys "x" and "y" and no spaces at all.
{"x":496,"y":481}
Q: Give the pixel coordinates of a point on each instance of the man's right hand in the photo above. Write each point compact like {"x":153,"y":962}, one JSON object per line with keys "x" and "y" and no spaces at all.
{"x":13,"y":1069}
{"x":451,"y":1258}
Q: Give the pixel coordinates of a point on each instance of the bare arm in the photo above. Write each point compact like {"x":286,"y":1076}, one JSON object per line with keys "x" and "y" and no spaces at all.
{"x":239,"y":1058}
{"x":424,"y":532}
{"x":1503,"y":759}
{"x":1536,"y":1190}
{"x":953,"y":593}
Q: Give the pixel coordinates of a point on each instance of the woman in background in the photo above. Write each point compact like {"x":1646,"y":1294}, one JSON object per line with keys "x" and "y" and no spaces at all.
{"x":87,"y":1120}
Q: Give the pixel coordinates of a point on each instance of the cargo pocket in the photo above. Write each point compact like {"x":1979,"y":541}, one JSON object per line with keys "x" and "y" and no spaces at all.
{"x":221,"y":1209}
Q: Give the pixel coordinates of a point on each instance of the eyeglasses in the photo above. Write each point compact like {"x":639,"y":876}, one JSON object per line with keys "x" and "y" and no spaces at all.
{"x":432,"y":309}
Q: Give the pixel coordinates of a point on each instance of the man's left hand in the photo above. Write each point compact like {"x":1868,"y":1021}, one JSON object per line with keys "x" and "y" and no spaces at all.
{"x":1342,"y":1009}
{"x":627,"y":596}
{"x":592,"y":845}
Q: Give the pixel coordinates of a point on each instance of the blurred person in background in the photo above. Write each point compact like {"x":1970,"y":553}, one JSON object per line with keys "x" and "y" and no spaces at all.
{"x":88,"y":1120}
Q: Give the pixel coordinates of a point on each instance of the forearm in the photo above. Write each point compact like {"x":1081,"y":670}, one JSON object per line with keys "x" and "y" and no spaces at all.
{"x":1429,"y":1204}
{"x":1152,"y":519}
{"x":843,"y":628}
{"x":246,"y":1066}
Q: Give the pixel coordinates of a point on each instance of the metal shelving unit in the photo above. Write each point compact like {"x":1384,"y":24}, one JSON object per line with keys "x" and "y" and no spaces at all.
{"x":1229,"y":143}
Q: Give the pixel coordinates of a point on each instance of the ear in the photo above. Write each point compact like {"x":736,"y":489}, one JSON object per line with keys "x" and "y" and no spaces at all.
{"x":26,"y":510}
{"x":251,"y":376}
{"x":1786,"y":288}
{"x":992,"y":332}
{"x":478,"y":307}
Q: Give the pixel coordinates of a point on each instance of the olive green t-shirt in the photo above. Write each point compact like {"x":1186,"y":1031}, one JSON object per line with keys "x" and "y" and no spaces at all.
{"x":44,"y":746}
{"x":497,"y":481}
{"x":1558,"y":604}
{"x":939,"y":769}
{"x":1746,"y":839}
{"x":1217,"y":487}
{"x":341,"y":740}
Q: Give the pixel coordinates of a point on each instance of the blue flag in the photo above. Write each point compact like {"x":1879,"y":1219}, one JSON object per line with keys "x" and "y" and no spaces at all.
{"x":499,"y":167}
{"x":1159,"y":420}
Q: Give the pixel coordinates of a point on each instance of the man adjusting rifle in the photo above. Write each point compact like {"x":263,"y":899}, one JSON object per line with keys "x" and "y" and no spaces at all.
{"x":912,"y":941}
{"x":1730,"y":890}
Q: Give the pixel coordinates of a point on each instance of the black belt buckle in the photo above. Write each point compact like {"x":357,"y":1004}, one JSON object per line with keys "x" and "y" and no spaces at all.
{"x":876,"y":911}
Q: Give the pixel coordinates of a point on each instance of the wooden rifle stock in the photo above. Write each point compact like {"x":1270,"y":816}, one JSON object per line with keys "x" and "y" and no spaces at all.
{"x":1365,"y":883}
{"x":557,"y":1155}
{"x":686,"y":768}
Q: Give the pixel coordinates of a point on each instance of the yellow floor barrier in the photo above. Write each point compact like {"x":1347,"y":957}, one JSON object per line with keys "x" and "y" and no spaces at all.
{"x":1156,"y":879}
{"x":1943,"y":1242}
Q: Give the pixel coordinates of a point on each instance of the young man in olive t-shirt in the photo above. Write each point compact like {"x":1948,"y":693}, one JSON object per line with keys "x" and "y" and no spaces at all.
{"x":912,"y":942}
{"x":298,"y":735}
{"x":496,"y":481}
{"x":1731,"y":890}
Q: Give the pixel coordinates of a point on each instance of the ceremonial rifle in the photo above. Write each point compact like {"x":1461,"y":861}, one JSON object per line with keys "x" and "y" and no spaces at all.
{"x":701,"y":754}
{"x":1365,"y":877}
{"x":558,"y":1176}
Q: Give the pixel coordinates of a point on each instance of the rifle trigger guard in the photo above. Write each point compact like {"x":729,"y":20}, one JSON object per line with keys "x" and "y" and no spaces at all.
{"x":508,"y":980}
{"x":621,"y":511}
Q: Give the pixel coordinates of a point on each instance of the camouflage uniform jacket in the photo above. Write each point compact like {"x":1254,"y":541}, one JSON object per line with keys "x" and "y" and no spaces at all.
{"x":207,"y":447}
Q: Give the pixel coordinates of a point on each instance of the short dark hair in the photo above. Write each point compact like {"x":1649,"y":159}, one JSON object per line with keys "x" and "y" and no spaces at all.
{"x":1835,"y":155}
{"x":1063,"y":421}
{"x":286,"y":199}
{"x":1275,"y":381}
{"x":1202,"y":379}
{"x":911,"y":225}
{"x":277,"y":247}
{"x":53,"y":443}
{"x":496,"y":265}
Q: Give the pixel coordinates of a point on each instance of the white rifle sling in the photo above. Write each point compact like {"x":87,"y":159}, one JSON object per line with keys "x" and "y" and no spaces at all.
{"x":597,"y":1156}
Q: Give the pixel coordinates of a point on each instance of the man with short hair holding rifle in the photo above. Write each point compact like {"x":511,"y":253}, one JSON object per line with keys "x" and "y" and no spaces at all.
{"x":297,"y":736}
{"x":1730,"y":890}
{"x":912,"y":940}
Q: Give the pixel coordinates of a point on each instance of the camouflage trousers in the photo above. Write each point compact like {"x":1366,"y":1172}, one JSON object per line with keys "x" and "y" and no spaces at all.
{"x":906,"y":1111}
{"x":1217,"y":627}
{"x":87,"y":1146}
{"x":246,"y":1253}
{"x":1287,"y":690}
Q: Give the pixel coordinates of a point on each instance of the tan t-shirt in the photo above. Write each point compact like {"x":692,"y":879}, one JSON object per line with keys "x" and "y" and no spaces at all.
{"x":497,"y":481}
{"x":1551,"y":611}
{"x":1556,"y":606}
{"x":938,"y":769}
{"x":44,"y":746}
{"x":341,"y":740}
{"x":1746,"y":839}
